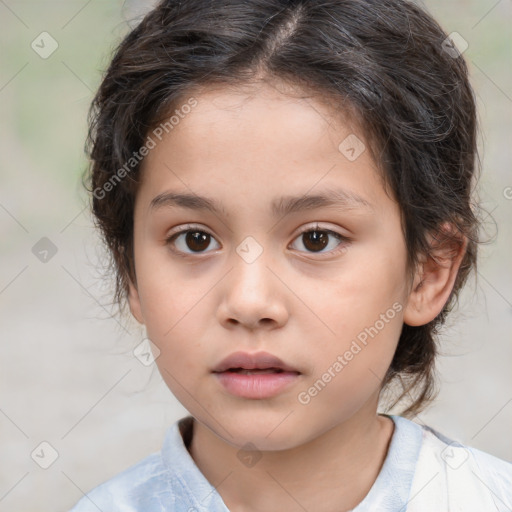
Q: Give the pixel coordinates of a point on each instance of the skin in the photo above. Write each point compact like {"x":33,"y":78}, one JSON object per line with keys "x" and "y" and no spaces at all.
{"x":244,"y":148}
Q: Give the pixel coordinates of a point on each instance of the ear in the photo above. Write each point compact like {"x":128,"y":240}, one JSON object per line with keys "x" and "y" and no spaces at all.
{"x":435,"y":277}
{"x":134,"y":302}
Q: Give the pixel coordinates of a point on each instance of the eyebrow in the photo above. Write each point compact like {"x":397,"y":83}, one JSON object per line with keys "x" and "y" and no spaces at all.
{"x":342,"y":199}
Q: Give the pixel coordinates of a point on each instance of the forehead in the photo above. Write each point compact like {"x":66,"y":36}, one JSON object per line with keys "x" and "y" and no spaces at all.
{"x":263,"y":139}
{"x":263,"y":104}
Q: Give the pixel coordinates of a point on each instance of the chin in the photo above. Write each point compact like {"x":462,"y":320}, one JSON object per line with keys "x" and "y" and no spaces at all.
{"x":265,"y":429}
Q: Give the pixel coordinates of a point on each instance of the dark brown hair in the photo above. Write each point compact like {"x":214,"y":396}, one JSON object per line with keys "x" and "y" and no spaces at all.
{"x":386,"y":61}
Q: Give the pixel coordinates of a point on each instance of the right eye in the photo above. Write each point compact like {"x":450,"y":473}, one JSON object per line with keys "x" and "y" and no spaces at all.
{"x":194,"y":238}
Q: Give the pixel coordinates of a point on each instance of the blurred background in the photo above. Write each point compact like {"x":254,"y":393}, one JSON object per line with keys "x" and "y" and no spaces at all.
{"x":76,"y":405}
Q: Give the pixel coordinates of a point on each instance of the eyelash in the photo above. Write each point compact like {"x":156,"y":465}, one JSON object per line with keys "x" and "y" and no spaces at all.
{"x":192,"y":228}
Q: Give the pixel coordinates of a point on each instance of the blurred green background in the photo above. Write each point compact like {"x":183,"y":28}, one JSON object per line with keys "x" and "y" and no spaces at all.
{"x":67,"y":372}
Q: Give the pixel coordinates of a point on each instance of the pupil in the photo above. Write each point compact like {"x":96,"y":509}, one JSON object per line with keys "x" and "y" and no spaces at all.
{"x":319,"y":239}
{"x":199,"y":238}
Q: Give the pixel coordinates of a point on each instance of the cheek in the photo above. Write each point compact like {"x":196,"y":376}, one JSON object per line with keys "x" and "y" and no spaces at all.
{"x":181,"y":361}
{"x":349,"y":372}
{"x":364,"y":311}
{"x":166,"y":298}
{"x":361,"y":299}
{"x":174,"y":314}
{"x":363,"y":346}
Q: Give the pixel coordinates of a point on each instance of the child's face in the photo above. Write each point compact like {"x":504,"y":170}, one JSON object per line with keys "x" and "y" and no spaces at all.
{"x":303,"y":299}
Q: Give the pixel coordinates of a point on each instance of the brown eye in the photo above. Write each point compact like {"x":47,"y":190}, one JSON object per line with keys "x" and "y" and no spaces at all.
{"x":190,"y":241}
{"x":316,"y":240}
{"x":197,"y":240}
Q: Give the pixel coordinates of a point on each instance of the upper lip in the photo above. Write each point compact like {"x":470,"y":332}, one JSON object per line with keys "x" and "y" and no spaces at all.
{"x":252,"y":361}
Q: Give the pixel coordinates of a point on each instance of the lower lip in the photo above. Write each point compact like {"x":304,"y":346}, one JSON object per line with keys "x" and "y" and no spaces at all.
{"x":256,"y":386}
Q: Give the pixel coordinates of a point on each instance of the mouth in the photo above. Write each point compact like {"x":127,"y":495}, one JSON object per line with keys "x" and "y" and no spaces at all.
{"x":255,"y":376}
{"x":242,"y":362}
{"x":255,"y":371}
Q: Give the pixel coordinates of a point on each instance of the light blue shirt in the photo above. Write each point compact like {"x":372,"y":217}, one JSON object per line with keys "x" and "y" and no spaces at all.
{"x":423,"y":472}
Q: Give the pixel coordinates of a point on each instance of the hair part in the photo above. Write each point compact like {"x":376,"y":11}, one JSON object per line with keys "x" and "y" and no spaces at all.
{"x":381,"y":63}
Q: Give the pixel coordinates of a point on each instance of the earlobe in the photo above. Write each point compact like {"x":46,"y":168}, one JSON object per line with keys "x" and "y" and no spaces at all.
{"x":134,"y":302}
{"x":435,"y":278}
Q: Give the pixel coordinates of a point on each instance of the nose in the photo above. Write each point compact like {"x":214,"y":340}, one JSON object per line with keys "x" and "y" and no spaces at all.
{"x":253,"y":295}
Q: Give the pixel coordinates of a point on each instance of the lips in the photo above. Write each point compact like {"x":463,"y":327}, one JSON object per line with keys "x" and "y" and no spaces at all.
{"x":256,"y":363}
{"x":255,"y":376}
{"x":256,"y":371}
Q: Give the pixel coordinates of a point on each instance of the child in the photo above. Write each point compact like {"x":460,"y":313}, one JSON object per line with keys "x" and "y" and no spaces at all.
{"x":259,"y":129}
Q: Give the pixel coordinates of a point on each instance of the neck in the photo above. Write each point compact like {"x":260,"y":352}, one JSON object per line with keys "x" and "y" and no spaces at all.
{"x":332,"y":472}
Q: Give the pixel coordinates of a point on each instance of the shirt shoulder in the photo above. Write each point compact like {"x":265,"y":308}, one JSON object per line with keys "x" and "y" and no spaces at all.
{"x":453,"y":477}
{"x":165,"y":481}
{"x":143,"y":486}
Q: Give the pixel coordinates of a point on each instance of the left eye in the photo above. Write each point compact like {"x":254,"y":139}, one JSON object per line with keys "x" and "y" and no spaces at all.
{"x":315,"y":240}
